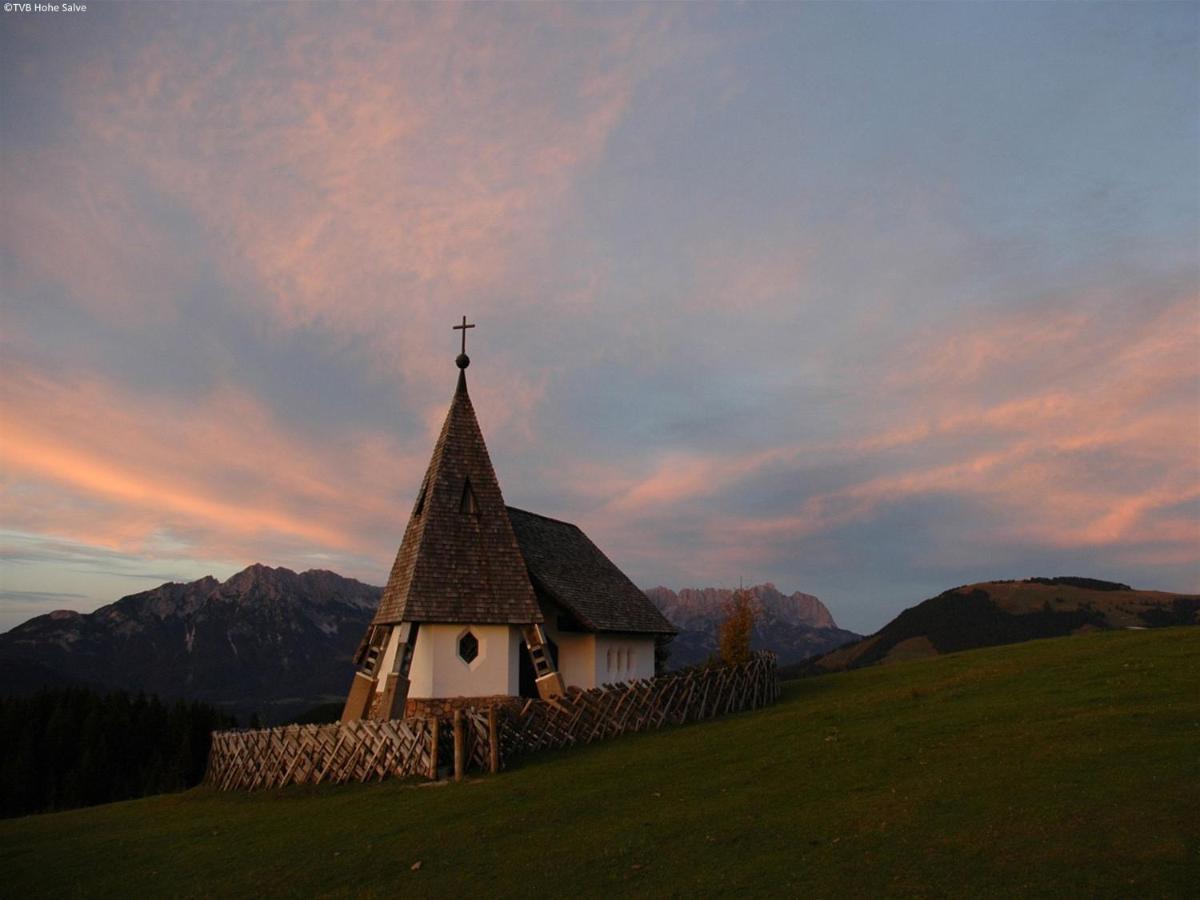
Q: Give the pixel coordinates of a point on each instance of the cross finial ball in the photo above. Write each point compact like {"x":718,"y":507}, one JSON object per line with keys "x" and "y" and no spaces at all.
{"x":463,"y":360}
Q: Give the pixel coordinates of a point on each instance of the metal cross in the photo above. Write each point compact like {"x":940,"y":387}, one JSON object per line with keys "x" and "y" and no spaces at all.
{"x":463,"y":328}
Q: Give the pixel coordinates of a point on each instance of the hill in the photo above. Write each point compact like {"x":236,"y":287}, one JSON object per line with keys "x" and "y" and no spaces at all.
{"x":1050,"y":768}
{"x":1006,"y":612}
{"x":795,"y":626}
{"x":266,"y":640}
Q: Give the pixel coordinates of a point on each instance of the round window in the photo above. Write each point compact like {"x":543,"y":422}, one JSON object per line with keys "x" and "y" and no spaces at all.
{"x":468,"y":647}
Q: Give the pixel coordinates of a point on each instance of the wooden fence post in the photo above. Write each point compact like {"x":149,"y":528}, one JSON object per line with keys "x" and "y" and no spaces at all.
{"x":493,"y":742}
{"x":433,"y":748}
{"x":460,"y":746}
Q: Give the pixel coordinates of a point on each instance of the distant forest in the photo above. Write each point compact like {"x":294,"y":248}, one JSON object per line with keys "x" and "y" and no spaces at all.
{"x":68,"y":747}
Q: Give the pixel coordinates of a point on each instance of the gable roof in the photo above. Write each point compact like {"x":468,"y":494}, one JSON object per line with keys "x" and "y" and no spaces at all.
{"x":576,"y":575}
{"x":459,"y":560}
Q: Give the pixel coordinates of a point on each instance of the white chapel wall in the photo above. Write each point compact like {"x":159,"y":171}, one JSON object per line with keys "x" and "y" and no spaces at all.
{"x":624,"y":657}
{"x":584,"y":660}
{"x":576,"y":651}
{"x":576,"y":657}
{"x":438,"y":671}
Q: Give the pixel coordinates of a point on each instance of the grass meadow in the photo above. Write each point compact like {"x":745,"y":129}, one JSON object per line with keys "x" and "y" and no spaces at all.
{"x":1064,"y":767}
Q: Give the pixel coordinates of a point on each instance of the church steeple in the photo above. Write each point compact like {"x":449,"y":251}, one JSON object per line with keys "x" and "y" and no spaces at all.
{"x":459,"y":564}
{"x":459,"y":560}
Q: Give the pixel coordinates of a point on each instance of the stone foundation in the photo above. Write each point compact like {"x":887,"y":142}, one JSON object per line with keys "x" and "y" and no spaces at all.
{"x":444,"y":707}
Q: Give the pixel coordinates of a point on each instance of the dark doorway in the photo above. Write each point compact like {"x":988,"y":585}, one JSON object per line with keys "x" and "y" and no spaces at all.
{"x":527,"y":680}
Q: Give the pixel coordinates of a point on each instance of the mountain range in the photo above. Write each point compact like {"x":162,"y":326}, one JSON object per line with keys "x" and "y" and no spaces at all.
{"x":1007,"y":612}
{"x":266,"y":640}
{"x":796,"y":626}
{"x":276,"y":643}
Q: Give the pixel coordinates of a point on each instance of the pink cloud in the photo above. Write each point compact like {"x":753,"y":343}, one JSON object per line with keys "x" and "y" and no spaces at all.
{"x":221,"y":480}
{"x":373,"y":177}
{"x":1094,"y":454}
{"x":676,"y":477}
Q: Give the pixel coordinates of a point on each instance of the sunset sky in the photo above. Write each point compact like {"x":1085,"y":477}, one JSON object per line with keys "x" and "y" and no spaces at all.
{"x":865,"y":300}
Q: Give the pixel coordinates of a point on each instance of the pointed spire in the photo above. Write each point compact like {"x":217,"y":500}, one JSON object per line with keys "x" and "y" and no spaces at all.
{"x":459,"y":560}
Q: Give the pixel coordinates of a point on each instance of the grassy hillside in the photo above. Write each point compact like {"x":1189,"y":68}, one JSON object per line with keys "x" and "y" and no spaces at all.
{"x":1007,"y":612}
{"x":1055,"y":768}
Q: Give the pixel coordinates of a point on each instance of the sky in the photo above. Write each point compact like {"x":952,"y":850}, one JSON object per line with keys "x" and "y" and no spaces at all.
{"x":864,"y":300}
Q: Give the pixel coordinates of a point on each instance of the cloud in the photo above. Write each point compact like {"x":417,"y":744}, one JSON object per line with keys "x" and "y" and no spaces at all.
{"x":38,"y":597}
{"x":369,"y":174}
{"x":99,"y":238}
{"x":89,"y":461}
{"x":1083,"y":436}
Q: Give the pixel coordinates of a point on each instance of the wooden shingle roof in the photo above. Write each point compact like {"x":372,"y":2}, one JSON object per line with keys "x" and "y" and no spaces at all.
{"x":565,"y":565}
{"x":459,"y":560}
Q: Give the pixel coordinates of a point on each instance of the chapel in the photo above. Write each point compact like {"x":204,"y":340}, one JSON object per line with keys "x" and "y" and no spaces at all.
{"x":487,"y":603}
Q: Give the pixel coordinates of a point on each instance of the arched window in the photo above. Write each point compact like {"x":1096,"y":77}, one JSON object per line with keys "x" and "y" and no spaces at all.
{"x":629,"y":661}
{"x":467,"y":503}
{"x":610,"y":659}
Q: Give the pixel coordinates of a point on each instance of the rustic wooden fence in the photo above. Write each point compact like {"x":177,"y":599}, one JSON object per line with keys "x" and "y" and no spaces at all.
{"x":369,"y":750}
{"x":365,"y":750}
{"x":582,"y":717}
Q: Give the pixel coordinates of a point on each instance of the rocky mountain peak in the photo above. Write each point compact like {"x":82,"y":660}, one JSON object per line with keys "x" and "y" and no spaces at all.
{"x":701,"y":604}
{"x":795,"y":626}
{"x":257,"y":579}
{"x":265,"y":639}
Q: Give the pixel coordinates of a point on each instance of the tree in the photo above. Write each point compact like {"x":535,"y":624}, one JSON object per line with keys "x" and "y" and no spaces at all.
{"x":740,"y":610}
{"x":66,"y":747}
